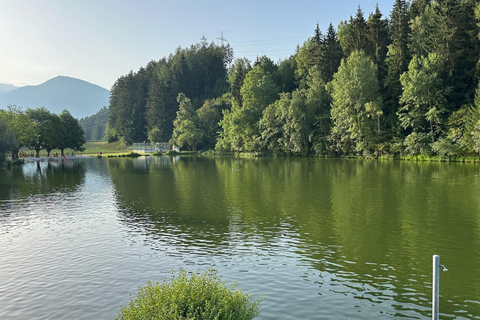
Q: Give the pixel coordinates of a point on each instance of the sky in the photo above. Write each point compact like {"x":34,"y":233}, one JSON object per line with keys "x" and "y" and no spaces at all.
{"x":100,"y":40}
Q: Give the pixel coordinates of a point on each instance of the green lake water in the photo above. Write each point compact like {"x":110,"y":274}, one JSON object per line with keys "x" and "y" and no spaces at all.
{"x":319,"y":238}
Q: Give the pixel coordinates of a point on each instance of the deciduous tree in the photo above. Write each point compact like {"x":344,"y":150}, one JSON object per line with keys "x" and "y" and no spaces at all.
{"x":423,"y":98}
{"x":356,"y":103}
{"x":72,"y":135}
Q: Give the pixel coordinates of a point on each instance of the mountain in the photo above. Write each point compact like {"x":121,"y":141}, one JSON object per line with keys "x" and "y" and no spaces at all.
{"x":6,"y":87}
{"x":79,"y":97}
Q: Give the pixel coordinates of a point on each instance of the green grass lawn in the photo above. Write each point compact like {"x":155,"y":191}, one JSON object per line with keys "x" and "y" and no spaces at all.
{"x":106,"y":148}
{"x":92,"y":148}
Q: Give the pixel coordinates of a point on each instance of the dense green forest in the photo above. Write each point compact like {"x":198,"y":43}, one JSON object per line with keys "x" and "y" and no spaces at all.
{"x":38,"y":129}
{"x":94,"y":125}
{"x":402,"y":85}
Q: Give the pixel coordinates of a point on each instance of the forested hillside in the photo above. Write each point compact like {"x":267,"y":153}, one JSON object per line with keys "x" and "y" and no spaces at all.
{"x":94,"y":125}
{"x":405,"y":85}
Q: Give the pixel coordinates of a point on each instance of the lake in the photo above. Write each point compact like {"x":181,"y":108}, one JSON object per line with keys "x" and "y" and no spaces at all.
{"x":319,"y":238}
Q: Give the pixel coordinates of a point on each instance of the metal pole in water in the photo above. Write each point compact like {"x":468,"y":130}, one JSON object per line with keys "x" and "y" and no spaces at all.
{"x":435,"y":287}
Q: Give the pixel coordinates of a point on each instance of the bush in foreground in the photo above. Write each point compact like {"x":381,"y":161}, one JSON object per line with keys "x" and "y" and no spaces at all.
{"x":200,"y":296}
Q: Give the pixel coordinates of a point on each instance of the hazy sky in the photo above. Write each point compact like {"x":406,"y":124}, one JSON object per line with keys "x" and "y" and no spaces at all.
{"x":100,"y":40}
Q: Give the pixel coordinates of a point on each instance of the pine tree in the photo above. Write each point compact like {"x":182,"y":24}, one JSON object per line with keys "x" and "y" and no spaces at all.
{"x":464,"y":51}
{"x":353,"y":35}
{"x":417,"y":7}
{"x":379,"y":41}
{"x":397,"y":60}
{"x":310,"y":55}
{"x":236,"y":76}
{"x":332,"y":54}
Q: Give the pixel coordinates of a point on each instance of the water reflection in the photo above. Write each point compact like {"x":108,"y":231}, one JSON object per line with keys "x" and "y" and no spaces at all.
{"x":367,"y":229}
{"x":41,"y":178}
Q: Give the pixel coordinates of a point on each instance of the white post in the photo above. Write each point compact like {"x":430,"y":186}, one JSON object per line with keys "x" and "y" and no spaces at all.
{"x":435,"y":287}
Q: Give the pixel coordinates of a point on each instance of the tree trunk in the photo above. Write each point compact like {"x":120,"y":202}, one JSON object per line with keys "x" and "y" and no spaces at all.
{"x":37,"y":153}
{"x":61,"y":151}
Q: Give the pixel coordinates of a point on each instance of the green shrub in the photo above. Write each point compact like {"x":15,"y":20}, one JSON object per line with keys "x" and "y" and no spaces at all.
{"x":133,"y":155}
{"x":130,"y":155}
{"x":198,"y":297}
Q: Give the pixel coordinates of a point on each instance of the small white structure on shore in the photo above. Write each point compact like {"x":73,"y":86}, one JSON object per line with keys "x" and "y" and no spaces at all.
{"x":146,"y":147}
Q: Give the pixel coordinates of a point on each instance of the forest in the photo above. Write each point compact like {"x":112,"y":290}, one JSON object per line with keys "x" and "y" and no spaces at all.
{"x":38,"y":129}
{"x":94,"y":125}
{"x":402,"y":85}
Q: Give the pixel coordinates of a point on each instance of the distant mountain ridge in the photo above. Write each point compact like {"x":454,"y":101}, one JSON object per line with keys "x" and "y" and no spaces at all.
{"x":79,"y":97}
{"x":4,"y":87}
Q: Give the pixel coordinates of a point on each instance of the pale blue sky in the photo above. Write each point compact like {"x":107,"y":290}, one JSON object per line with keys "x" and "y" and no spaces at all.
{"x":99,"y":40}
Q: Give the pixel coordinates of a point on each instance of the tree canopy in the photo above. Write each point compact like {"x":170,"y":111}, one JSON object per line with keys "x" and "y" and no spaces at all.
{"x":406,"y":85}
{"x":38,"y":129}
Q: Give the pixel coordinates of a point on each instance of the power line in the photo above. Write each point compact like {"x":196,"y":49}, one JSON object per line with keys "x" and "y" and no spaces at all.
{"x":264,"y":51}
{"x":263,"y":44}
{"x":265,"y":40}
{"x":222,"y":39}
{"x":264,"y":29}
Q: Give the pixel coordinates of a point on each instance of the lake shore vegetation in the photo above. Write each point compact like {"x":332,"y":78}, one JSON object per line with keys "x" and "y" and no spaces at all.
{"x":403,"y":86}
{"x":38,"y":129}
{"x":198,"y":296}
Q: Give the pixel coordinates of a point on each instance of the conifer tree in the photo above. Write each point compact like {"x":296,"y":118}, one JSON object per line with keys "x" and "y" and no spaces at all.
{"x":379,"y":41}
{"x":311,"y":54}
{"x":353,"y":35}
{"x":332,"y":54}
{"x":397,"y":60}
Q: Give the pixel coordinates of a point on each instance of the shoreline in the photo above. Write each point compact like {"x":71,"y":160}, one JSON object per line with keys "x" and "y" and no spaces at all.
{"x":52,"y":159}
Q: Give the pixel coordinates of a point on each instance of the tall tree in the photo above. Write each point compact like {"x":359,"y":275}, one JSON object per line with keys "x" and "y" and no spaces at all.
{"x":318,"y":102}
{"x":353,"y":35}
{"x":46,"y":125}
{"x":185,"y":130}
{"x":423,"y":98}
{"x":209,"y":116}
{"x":464,"y":51}
{"x":20,"y":127}
{"x":271,"y":124}
{"x":158,"y":113}
{"x":285,"y":125}
{"x":286,"y":73}
{"x":417,"y":7}
{"x":259,"y":89}
{"x":379,"y":41}
{"x":397,"y":60}
{"x":430,"y":32}
{"x":356,"y":105}
{"x":122,"y":100}
{"x":310,"y":55}
{"x":240,"y":124}
{"x":72,"y":134}
{"x":332,"y":54}
{"x":236,"y":75}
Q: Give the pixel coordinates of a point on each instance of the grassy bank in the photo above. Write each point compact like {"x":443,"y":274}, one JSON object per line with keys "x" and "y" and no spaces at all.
{"x":92,"y":148}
